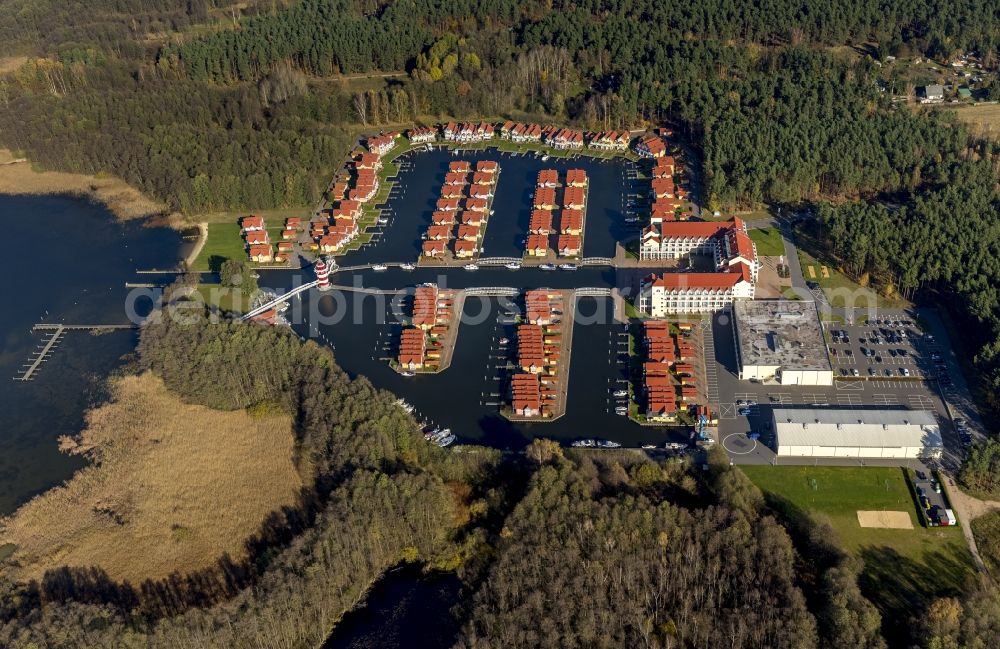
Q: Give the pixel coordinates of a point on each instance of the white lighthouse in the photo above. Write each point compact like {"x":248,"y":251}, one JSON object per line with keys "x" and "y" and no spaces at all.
{"x":322,"y":275}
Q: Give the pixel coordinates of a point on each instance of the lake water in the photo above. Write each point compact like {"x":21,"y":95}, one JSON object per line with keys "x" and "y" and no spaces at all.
{"x":404,"y":610}
{"x":465,"y":397}
{"x":418,"y":187}
{"x":66,"y":260}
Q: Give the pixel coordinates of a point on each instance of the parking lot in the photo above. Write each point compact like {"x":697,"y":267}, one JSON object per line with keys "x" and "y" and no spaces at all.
{"x":882,"y":349}
{"x":747,"y":407}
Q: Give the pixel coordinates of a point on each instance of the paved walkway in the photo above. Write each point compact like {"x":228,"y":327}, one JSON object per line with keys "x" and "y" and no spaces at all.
{"x":199,"y":244}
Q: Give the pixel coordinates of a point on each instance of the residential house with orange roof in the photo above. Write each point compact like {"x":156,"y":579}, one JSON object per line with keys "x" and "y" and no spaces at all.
{"x":537,"y":245}
{"x":574,"y":198}
{"x":540,"y":222}
{"x":569,"y":245}
{"x":261,"y":253}
{"x":571,"y":222}
{"x":252,"y":223}
{"x":434,"y":248}
{"x":464,"y":249}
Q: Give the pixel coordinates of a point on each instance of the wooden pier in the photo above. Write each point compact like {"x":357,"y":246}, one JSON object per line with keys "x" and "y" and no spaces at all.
{"x":56,"y":332}
{"x":82,"y":327}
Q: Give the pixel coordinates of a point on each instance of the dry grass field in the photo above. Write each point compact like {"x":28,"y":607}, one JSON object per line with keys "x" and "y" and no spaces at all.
{"x":122,"y":200}
{"x":983,"y":119}
{"x":170,"y":488}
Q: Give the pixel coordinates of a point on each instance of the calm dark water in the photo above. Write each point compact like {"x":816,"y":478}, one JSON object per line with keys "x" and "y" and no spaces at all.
{"x":465,"y":397}
{"x":419,"y":184}
{"x":66,"y":260}
{"x":404,"y":610}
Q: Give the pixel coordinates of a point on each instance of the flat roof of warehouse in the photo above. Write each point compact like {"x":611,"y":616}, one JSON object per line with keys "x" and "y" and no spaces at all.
{"x":780,"y":333}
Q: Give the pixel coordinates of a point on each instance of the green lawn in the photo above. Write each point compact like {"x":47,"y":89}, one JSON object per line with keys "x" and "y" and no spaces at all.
{"x":986,"y":529}
{"x":769,"y":242}
{"x":224,"y":242}
{"x":226,"y":299}
{"x":903,"y":569}
{"x":840,"y":289}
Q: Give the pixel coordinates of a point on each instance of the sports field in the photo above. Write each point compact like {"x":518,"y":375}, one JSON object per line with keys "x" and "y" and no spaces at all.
{"x":837,"y":494}
{"x":903,"y":568}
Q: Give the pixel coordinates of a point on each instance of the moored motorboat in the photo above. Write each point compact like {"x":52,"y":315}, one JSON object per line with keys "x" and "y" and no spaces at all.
{"x":407,"y":266}
{"x":514,"y":265}
{"x":547,"y":267}
{"x":471,"y":267}
{"x":379,"y":267}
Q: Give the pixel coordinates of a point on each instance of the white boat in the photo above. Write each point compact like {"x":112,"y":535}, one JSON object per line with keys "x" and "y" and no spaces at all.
{"x":445,"y":441}
{"x":407,"y":266}
{"x":504,"y":341}
{"x":407,"y":373}
{"x":583,"y":443}
{"x":379,"y":267}
{"x":471,"y":267}
{"x":545,"y":157}
{"x":514,"y":265}
{"x":567,"y":266}
{"x":621,"y":411}
{"x":621,"y":393}
{"x":547,"y":267}
{"x":649,"y":447}
{"x":608,"y":444}
{"x":383,"y":221}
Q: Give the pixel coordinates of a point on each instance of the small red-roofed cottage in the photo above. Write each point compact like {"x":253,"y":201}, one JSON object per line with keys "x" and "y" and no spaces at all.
{"x":569,"y":245}
{"x":252,"y":223}
{"x":537,"y":245}
{"x":465,"y":249}
{"x":434,"y":248}
{"x":261,"y":253}
{"x":576,"y":178}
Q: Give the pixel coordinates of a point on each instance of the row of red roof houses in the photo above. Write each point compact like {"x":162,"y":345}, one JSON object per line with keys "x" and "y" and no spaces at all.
{"x":462,"y":202}
{"x":570,"y":228}
{"x":533,"y":388}
{"x":356,"y":184}
{"x":554,"y":136}
{"x":659,"y":389}
{"x":258,"y":243}
{"x":468,"y":132}
{"x":420,"y":345}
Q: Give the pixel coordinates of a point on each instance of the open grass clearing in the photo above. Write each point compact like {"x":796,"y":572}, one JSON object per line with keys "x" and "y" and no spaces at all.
{"x":224,"y":241}
{"x":986,"y":529}
{"x":171,"y":487}
{"x":983,"y":119}
{"x":904,"y":569}
{"x":840,"y":289}
{"x":769,"y":241}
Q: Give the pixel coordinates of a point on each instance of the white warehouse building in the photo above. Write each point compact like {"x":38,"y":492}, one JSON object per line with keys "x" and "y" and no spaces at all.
{"x":857,"y":433}
{"x":780,"y":341}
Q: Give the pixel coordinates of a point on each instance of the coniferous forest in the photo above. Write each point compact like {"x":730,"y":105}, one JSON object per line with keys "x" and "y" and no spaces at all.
{"x":211,"y":105}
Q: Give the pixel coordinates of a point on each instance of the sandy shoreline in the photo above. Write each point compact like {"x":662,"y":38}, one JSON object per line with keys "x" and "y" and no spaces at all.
{"x":125,"y":202}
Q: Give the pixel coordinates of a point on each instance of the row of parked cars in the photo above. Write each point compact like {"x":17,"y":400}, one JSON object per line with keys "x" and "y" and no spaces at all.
{"x":964,"y":433}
